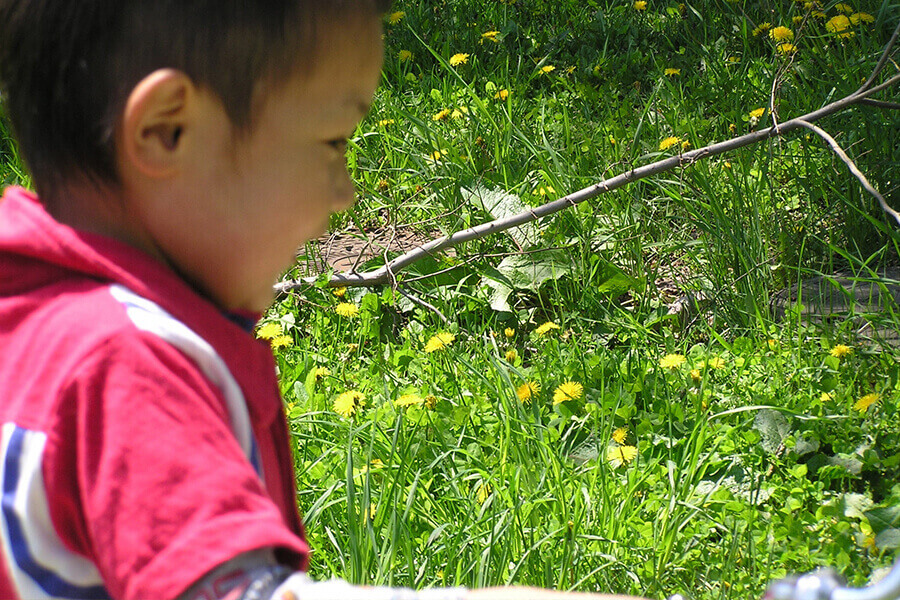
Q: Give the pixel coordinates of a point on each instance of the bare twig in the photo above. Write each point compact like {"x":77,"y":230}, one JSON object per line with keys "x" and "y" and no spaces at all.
{"x":880,"y":104}
{"x":881,"y":61}
{"x":424,"y":305}
{"x":853,"y":168}
{"x":385,"y":275}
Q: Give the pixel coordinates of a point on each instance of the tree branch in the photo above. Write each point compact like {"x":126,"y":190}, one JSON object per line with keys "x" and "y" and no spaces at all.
{"x":853,"y":168}
{"x":387,"y":273}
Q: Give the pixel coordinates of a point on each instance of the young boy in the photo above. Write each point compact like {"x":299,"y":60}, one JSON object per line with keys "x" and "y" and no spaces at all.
{"x":181,"y":151}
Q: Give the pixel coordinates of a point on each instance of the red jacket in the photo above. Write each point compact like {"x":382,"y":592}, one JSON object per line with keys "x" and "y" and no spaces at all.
{"x":143,"y":440}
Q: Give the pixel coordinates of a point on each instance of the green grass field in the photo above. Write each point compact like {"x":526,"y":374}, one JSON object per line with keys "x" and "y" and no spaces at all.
{"x":524,"y":409}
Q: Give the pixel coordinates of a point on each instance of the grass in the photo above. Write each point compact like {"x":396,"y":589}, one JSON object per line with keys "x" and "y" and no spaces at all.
{"x":705,"y":454}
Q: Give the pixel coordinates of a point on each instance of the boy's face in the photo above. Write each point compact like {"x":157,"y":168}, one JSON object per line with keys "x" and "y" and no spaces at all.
{"x":241,"y":208}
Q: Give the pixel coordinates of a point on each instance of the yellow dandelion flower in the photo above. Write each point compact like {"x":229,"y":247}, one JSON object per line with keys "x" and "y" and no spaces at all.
{"x":546,"y":190}
{"x":490,"y":36}
{"x":430,"y":401}
{"x":281,"y":341}
{"x":757,"y":113}
{"x":436,"y":156}
{"x":404,"y":55}
{"x":696,"y":376}
{"x":502,"y":94}
{"x":837,"y":24}
{"x":440,"y":116}
{"x":861,"y":17}
{"x":347,"y":309}
{"x":781,"y":34}
{"x":669,"y":142}
{"x":269,"y":331}
{"x":570,"y":390}
{"x":715,"y":362}
{"x":482,"y":492}
{"x":547,"y":69}
{"x":439,"y":341}
{"x":619,"y":435}
{"x":844,"y":8}
{"x":408,"y":400}
{"x":396,"y":17}
{"x":385,"y":122}
{"x":825,"y":397}
{"x":376,"y":463}
{"x":320,"y":373}
{"x":639,"y":5}
{"x":459,"y":59}
{"x":621,"y":455}
{"x":670,"y":72}
{"x":786,"y":48}
{"x":685,"y":145}
{"x":671,"y":361}
{"x":840,"y":351}
{"x":863,"y":404}
{"x":761,"y":29}
{"x":511,"y":356}
{"x":528,"y":390}
{"x":348,"y":403}
{"x":509,"y":332}
{"x":339,"y":292}
{"x":546,"y":328}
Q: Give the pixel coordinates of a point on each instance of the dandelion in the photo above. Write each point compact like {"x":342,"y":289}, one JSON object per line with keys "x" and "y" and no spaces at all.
{"x":348,"y":403}
{"x":546,"y":190}
{"x":671,"y":361}
{"x":396,"y":17}
{"x":459,"y":59}
{"x":339,"y":292}
{"x":639,"y":5}
{"x":528,"y":390}
{"x":459,"y":112}
{"x":696,"y":376}
{"x":440,"y":116}
{"x":511,"y":356}
{"x":863,"y":404}
{"x":761,"y":29}
{"x":670,"y":72}
{"x":430,"y":402}
{"x":320,"y":373}
{"x":347,"y":309}
{"x":386,"y":122}
{"x":482,"y":492}
{"x":840,"y":351}
{"x":837,"y":24}
{"x":383,"y":185}
{"x":502,"y":94}
{"x":715,"y":362}
{"x":844,"y":8}
{"x":570,"y":390}
{"x":825,"y":397}
{"x":757,"y":113}
{"x":436,"y":156}
{"x":619,"y":435}
{"x":490,"y":36}
{"x":408,"y":400}
{"x":439,"y":341}
{"x":546,"y":328}
{"x":786,"y":48}
{"x":620,"y":455}
{"x":668,"y":143}
{"x":269,"y":331}
{"x":547,"y":69}
{"x":281,"y":341}
{"x":404,"y":55}
{"x":781,"y":34}
{"x":861,"y":17}
{"x":685,"y":145}
{"x":509,"y":332}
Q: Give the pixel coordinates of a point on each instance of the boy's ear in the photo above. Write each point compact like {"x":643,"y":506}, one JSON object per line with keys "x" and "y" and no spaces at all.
{"x":156,"y":114}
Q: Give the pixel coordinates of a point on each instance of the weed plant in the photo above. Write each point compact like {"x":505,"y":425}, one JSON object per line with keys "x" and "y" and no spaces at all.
{"x":525,"y":409}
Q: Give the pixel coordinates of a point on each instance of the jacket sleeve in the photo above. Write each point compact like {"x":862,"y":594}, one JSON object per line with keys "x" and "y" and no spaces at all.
{"x":145,"y":478}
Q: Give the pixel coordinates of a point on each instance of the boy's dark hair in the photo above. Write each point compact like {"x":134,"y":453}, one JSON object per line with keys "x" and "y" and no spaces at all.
{"x":67,"y":66}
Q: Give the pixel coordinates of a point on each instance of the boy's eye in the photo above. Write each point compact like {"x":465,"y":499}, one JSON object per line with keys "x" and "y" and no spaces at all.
{"x":339,"y":144}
